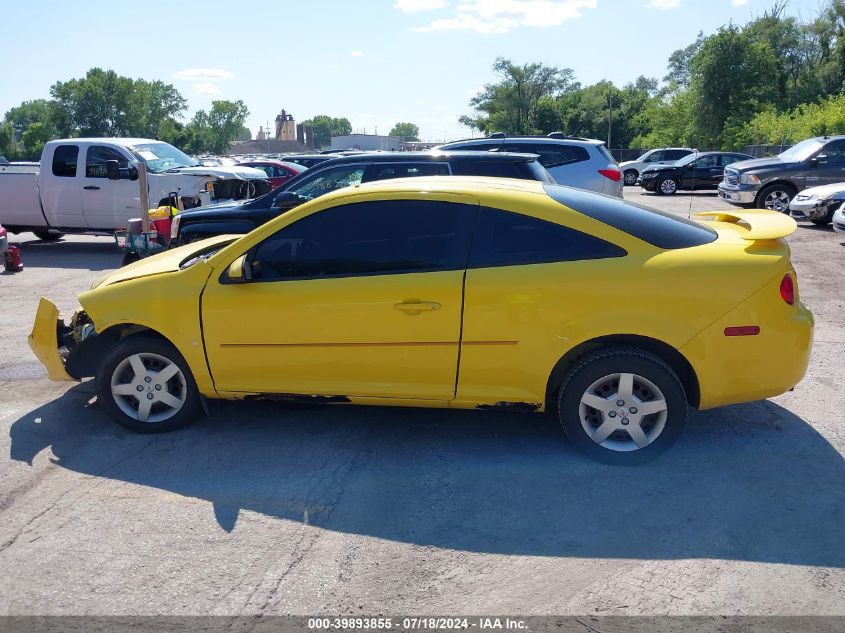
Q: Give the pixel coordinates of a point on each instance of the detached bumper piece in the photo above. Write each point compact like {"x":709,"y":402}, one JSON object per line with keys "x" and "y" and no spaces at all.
{"x":45,"y":340}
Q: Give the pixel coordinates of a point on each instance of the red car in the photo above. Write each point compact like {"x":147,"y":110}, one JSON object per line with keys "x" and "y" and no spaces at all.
{"x":278,"y":172}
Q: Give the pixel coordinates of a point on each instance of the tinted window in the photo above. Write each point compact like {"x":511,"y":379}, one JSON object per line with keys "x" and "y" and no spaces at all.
{"x":654,"y":157}
{"x":475,"y":147}
{"x":656,"y":228}
{"x":493,"y":168}
{"x":385,"y":171}
{"x":552,"y":155}
{"x":64,"y":161}
{"x":727,"y":159}
{"x":706,"y":161}
{"x":675,"y":154}
{"x":330,"y":179}
{"x":835,"y":152}
{"x":385,"y":237}
{"x":509,"y":239}
{"x":95,"y":161}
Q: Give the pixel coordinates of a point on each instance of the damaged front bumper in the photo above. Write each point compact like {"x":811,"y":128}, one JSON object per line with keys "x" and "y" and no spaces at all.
{"x":813,"y":208}
{"x":68,"y":352}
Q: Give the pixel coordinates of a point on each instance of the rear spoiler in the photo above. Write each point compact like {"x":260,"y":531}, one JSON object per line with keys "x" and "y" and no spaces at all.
{"x":761,"y":224}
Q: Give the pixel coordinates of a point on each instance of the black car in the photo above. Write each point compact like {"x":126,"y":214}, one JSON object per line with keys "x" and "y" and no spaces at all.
{"x":307,"y":160}
{"x":700,"y":170}
{"x":244,"y":216}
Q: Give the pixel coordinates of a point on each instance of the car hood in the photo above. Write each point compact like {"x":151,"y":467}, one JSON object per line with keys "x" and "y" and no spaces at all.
{"x":225,"y":173}
{"x":824,"y":191}
{"x":165,"y":262}
{"x":659,"y":168}
{"x":223,"y":207}
{"x":758,"y":163}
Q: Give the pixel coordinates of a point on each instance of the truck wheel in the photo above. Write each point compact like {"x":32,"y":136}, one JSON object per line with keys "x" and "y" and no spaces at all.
{"x":622,"y":405}
{"x":146,"y":386}
{"x":48,"y":236}
{"x":775,"y":198}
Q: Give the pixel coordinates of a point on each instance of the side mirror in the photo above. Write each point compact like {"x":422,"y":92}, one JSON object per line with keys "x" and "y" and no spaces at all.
{"x":818,"y":159}
{"x":240,"y":270}
{"x":287,"y":200}
{"x":113,"y":170}
{"x":132,"y":172}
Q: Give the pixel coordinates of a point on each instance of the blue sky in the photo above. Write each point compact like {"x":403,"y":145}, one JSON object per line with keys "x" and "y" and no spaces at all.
{"x":374,"y":61}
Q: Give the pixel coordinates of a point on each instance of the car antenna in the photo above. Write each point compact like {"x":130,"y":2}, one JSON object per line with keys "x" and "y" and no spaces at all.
{"x":500,"y":135}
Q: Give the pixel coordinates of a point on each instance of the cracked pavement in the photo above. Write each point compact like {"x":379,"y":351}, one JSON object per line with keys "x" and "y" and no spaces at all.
{"x":264,"y":508}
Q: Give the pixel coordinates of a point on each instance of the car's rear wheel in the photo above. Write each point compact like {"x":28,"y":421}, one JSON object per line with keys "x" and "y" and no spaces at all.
{"x":146,"y":386}
{"x":622,"y":405}
{"x":631,"y":176}
{"x":48,"y":236}
{"x":775,"y":198}
{"x":667,"y":186}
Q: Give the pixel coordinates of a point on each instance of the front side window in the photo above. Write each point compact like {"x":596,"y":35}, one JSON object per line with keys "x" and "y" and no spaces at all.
{"x":96,"y":158}
{"x":367,"y":238}
{"x":387,"y":171}
{"x":835,"y":152}
{"x":330,"y":180}
{"x":510,"y":239}
{"x":705,"y":161}
{"x":64,"y":161}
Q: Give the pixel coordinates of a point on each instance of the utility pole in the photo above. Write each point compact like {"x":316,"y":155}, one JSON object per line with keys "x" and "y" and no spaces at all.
{"x":609,"y":116}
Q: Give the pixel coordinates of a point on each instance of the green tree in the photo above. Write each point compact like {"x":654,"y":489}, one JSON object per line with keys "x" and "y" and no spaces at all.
{"x":325,"y":127}
{"x":8,"y":147}
{"x":34,"y":138}
{"x":509,"y":104}
{"x":29,"y":112}
{"x":406,"y":131}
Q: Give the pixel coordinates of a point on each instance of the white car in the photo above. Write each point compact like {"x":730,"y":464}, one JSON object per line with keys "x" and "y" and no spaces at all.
{"x":839,"y":220}
{"x":817,"y":204}
{"x":631,"y":169}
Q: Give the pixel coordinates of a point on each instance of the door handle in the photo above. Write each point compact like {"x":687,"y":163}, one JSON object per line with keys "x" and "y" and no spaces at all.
{"x":91,"y":188}
{"x":414,"y":306}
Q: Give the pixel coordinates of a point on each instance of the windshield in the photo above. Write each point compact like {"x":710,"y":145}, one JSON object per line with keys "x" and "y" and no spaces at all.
{"x":801,"y":151}
{"x":686,"y":160}
{"x":159,"y":157}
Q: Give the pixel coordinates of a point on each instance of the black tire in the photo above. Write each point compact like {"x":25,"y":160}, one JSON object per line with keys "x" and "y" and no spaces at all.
{"x":645,"y":366}
{"x":823,"y":221}
{"x":778,"y":192}
{"x":48,"y":236}
{"x":671,"y":187}
{"x":630,"y":177}
{"x":155,"y":345}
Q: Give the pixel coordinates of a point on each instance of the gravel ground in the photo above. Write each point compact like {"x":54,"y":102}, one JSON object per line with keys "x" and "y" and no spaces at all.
{"x":267,"y":509}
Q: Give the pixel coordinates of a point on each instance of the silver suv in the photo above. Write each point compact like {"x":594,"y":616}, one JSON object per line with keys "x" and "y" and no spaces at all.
{"x":576,"y":162}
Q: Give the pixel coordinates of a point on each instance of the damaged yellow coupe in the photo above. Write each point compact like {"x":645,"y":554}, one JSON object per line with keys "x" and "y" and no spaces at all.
{"x":453,"y":292}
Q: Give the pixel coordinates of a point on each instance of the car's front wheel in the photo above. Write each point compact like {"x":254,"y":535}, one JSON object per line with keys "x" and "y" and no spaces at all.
{"x":775,"y":198}
{"x":146,"y":386}
{"x":631,"y":176}
{"x":622,"y":405}
{"x":667,"y":186}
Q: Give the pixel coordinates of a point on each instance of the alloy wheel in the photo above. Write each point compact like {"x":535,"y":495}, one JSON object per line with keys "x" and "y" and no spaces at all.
{"x":148,"y":387}
{"x":668,"y":186}
{"x":623,"y":412}
{"x":777,"y":200}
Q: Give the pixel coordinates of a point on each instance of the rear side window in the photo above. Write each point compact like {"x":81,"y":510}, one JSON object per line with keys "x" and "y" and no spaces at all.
{"x":552,"y":154}
{"x":493,"y":168}
{"x":510,"y":239}
{"x":606,"y":153}
{"x":676,"y":154}
{"x":64,"y":161}
{"x":96,"y":157}
{"x":386,"y":171}
{"x":658,"y":229}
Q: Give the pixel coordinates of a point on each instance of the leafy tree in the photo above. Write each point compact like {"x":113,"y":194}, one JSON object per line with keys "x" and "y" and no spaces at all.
{"x":29,"y":112}
{"x":508,"y":105}
{"x":8,"y":147}
{"x":34,"y":138}
{"x":325,"y":127}
{"x":406,"y":131}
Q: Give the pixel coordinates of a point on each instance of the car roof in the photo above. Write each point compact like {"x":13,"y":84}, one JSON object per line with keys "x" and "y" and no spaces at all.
{"x":576,"y":140}
{"x":435,"y":156}
{"x":443,"y":184}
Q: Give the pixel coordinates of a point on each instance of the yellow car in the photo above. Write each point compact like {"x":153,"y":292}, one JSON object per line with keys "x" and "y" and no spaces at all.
{"x":473,"y":293}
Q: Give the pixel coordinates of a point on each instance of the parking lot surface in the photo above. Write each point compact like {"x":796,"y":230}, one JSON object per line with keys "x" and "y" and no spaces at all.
{"x":263,"y":508}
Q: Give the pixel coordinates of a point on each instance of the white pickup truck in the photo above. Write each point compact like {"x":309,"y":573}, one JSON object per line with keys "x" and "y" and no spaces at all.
{"x":70,"y":190}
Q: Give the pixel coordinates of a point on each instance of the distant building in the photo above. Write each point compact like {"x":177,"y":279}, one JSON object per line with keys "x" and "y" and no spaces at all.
{"x":267,"y":146}
{"x":285,"y":127}
{"x":366,"y":142}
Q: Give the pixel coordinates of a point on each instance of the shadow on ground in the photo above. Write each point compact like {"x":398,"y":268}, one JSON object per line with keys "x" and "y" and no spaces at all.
{"x":101,"y":254}
{"x":751,"y":482}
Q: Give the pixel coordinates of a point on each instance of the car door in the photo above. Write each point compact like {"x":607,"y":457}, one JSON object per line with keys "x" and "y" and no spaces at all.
{"x":108,"y":204}
{"x":829,"y":166}
{"x":61,"y":191}
{"x":706,"y":173}
{"x":362,"y":299}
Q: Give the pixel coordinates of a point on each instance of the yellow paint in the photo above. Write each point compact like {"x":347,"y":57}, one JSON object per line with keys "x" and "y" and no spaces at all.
{"x":42,"y":340}
{"x":463,"y":339}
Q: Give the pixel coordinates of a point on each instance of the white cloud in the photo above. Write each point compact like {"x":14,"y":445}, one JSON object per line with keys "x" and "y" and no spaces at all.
{"x":739,"y":3}
{"x":357,"y":53}
{"x":501,"y":16}
{"x":204,"y":81}
{"x":412,"y":6}
{"x":664,"y":4}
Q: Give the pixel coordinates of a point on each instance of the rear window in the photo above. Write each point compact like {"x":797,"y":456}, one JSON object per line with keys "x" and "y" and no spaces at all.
{"x":658,"y":229}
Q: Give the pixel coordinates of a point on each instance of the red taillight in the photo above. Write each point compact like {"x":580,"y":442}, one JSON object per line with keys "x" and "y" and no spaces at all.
{"x":743,"y":330}
{"x":787,"y":289}
{"x":613,"y":174}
